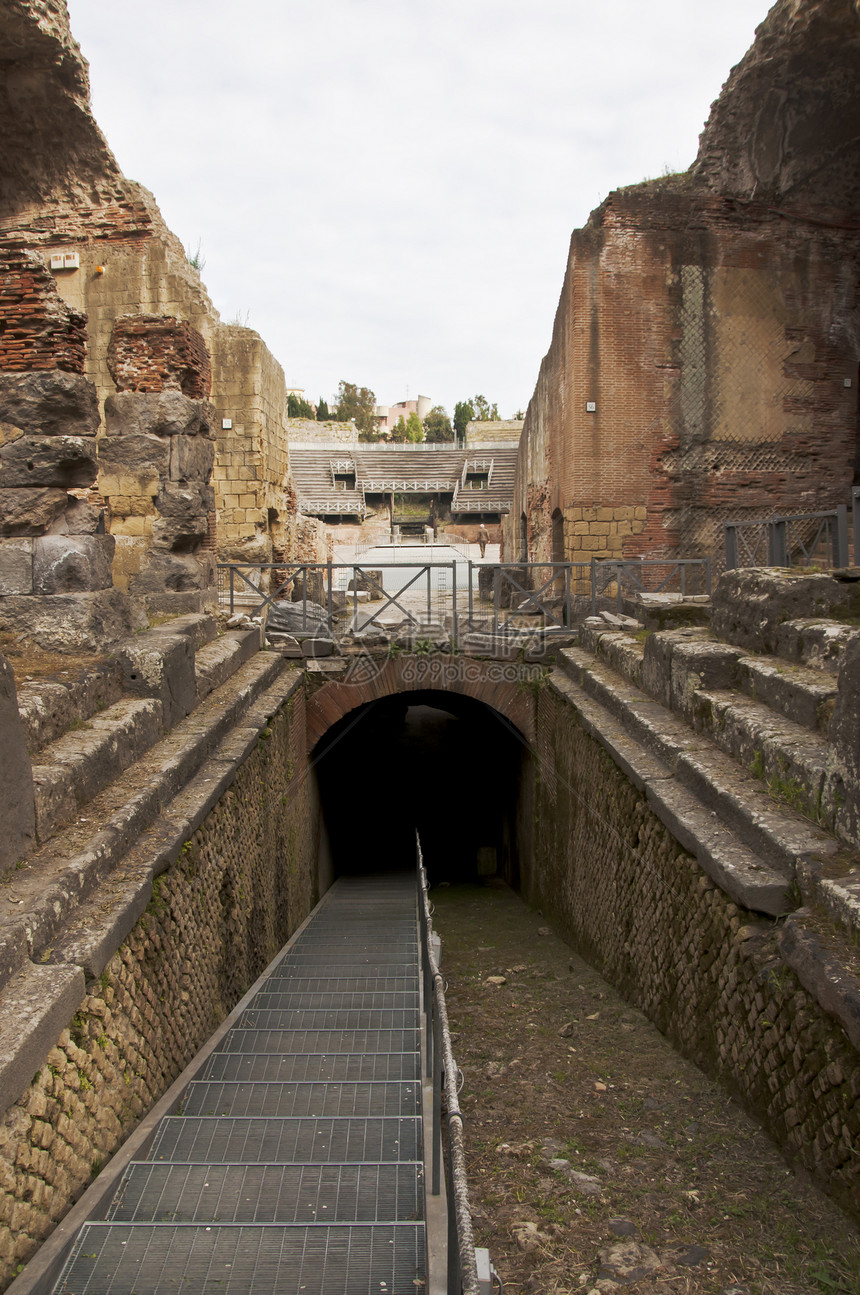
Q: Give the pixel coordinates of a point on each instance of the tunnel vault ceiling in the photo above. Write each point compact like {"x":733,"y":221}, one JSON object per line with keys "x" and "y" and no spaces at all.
{"x":501,"y":686}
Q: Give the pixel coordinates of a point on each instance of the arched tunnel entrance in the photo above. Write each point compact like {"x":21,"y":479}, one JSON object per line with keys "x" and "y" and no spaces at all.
{"x":441,"y":763}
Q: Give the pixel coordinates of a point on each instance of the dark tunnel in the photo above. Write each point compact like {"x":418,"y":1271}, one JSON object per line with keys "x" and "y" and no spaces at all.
{"x":444,"y":764}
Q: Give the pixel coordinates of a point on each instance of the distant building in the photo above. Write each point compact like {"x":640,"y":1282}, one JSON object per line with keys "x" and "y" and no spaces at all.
{"x":387,"y":415}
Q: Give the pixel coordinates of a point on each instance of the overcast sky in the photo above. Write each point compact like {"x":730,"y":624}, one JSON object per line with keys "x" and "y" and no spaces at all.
{"x":385,"y":189}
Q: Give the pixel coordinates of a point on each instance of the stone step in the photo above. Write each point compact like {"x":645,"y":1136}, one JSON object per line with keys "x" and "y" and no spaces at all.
{"x":74,"y":769}
{"x":751,"y":881}
{"x":215,"y":662}
{"x":61,"y":874}
{"x":48,"y":707}
{"x":790,"y":760}
{"x":799,"y":693}
{"x":72,"y":917}
{"x":675,"y":666}
{"x":780,"y":836}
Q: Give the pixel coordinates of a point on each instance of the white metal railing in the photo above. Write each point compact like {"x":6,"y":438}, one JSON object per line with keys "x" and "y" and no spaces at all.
{"x":405,"y":485}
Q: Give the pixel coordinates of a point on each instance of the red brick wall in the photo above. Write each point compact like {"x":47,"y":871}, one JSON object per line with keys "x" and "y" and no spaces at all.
{"x":156,"y":353}
{"x":715,"y":339}
{"x":37,"y":329}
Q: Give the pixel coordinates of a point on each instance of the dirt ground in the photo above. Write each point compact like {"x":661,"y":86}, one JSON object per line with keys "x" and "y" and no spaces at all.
{"x":599,"y":1159}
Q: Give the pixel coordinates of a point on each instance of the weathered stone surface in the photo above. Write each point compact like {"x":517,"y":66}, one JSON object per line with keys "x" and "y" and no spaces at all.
{"x":173,"y":573}
{"x":299,"y":619}
{"x":750,"y":605}
{"x":161,"y":665}
{"x":787,"y":123}
{"x":63,"y":461}
{"x":191,"y":458}
{"x":183,"y":521}
{"x":37,"y":1005}
{"x":134,"y":464}
{"x":17,"y":812}
{"x":49,"y":403}
{"x":163,"y":413}
{"x":83,"y":622}
{"x":817,"y":643}
{"x":16,"y":566}
{"x":107,"y":743}
{"x":821,"y":973}
{"x":78,"y":518}
{"x":841,"y":795}
{"x":65,"y":564}
{"x":30,"y":512}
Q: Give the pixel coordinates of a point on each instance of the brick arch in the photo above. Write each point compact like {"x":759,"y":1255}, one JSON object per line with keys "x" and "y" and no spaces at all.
{"x":502,"y":685}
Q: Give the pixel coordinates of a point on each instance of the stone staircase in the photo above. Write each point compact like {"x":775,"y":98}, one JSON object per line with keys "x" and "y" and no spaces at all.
{"x":128,"y":758}
{"x":731,"y":748}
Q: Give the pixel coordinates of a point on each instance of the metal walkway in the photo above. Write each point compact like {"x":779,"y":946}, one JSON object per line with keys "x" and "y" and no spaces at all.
{"x":294,"y":1163}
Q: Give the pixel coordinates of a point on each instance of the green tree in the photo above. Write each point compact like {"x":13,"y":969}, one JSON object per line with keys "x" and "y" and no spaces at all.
{"x":358,"y":404}
{"x":437,"y":425}
{"x":297,"y":407}
{"x":464,"y":412}
{"x":323,"y":415}
{"x":484,"y":411}
{"x":399,"y":432}
{"x":414,"y":429}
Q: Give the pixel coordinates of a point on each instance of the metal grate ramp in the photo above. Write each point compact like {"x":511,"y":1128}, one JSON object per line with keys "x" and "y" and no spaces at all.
{"x":294,"y":1162}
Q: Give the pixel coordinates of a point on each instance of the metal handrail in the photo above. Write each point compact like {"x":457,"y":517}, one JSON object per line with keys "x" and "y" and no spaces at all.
{"x":442,"y":1069}
{"x":783,"y":540}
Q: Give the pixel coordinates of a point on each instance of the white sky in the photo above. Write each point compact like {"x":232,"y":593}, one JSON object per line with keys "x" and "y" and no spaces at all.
{"x":385,"y":189}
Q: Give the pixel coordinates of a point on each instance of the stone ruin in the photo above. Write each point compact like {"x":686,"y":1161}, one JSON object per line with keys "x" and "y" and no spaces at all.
{"x":85,"y":557}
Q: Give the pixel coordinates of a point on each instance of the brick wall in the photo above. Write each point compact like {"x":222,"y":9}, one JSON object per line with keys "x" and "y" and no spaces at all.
{"x":238,"y":890}
{"x":707,"y":972}
{"x":714,"y":341}
{"x":157,"y":353}
{"x":37,"y":329}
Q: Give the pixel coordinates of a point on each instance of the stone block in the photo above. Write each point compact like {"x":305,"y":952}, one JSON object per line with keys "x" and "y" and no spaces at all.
{"x":49,"y":403}
{"x":62,"y":461}
{"x":841,"y":795}
{"x":17,"y":804}
{"x":161,"y":665}
{"x":67,"y":564}
{"x":81,"y":622}
{"x":55,"y":798}
{"x":298,"y":618}
{"x":139,"y":458}
{"x":37,"y":1006}
{"x":161,"y":413}
{"x":30,"y":511}
{"x":183,"y":521}
{"x":173,"y":573}
{"x":752,"y":604}
{"x":16,"y":566}
{"x":78,"y":518}
{"x":191,"y":458}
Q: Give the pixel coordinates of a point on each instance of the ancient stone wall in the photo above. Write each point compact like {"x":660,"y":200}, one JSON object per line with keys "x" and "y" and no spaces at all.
{"x":159,"y":353}
{"x":257,"y":514}
{"x":704,"y":358}
{"x":37,"y":329}
{"x":709,"y":973}
{"x":156,"y":461}
{"x":240,"y":887}
{"x":55,"y":559}
{"x":61,"y":191}
{"x":703,"y":367}
{"x":305,"y":429}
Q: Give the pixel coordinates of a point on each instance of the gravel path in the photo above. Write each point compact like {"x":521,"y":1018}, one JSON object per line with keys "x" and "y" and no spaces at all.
{"x":600,"y":1159}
